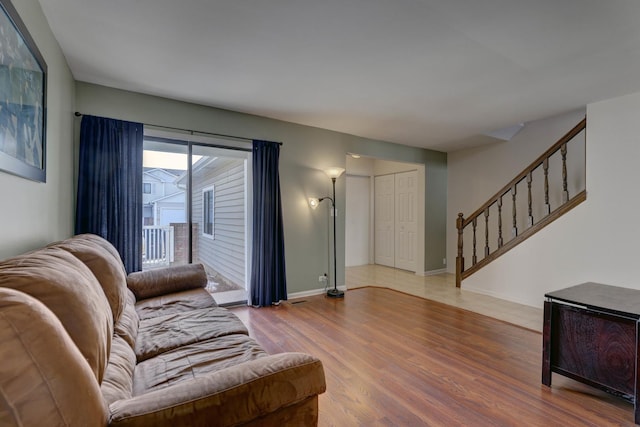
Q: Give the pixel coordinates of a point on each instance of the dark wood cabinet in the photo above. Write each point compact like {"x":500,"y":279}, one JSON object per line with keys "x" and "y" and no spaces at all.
{"x":590,"y":334}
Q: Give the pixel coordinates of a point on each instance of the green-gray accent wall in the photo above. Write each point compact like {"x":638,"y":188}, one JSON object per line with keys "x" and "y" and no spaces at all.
{"x":34,"y":213}
{"x":305,"y":152}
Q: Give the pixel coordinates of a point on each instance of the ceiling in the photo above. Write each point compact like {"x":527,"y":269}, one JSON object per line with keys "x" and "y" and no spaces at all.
{"x":429,"y":73}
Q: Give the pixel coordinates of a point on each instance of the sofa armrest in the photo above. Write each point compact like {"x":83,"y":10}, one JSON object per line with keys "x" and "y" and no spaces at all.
{"x":162,"y":281}
{"x":231,"y":396}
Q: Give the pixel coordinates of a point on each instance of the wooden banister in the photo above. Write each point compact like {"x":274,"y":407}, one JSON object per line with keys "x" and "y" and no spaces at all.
{"x":511,"y":189}
{"x":555,"y":147}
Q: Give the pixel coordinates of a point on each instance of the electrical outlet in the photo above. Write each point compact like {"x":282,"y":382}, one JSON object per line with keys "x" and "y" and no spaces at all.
{"x":444,"y":261}
{"x":321,"y":278}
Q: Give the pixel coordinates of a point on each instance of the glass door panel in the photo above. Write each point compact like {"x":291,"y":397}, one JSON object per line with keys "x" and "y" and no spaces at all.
{"x":219,"y":197}
{"x":164,"y":185}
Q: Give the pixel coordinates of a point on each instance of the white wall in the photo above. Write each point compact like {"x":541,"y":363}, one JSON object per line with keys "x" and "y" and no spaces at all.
{"x":386,"y":167}
{"x":597,"y":241}
{"x":362,"y":166}
{"x":34,"y":214}
{"x":358,"y":243}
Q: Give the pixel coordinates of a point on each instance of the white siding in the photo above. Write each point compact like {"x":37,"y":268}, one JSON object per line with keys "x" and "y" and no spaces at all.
{"x":226,"y":251}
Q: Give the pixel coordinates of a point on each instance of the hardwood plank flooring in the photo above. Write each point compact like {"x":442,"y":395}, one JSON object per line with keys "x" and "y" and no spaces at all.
{"x":442,"y":288}
{"x":393,"y":359}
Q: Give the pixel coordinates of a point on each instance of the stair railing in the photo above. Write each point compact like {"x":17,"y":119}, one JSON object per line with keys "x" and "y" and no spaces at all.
{"x":510,"y":192}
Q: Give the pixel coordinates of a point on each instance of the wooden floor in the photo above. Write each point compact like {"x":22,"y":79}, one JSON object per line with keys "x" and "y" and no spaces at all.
{"x":442,"y":288}
{"x":393,"y":359}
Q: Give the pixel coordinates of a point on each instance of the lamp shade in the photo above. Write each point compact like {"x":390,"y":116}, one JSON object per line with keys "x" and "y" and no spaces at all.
{"x":313,"y":202}
{"x":334,"y":172}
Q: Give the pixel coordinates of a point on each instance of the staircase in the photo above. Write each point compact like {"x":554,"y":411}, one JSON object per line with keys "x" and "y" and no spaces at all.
{"x":536,"y":197}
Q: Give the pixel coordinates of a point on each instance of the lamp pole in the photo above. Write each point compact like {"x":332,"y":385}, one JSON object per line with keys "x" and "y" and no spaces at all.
{"x":335,"y":292}
{"x":333,"y":173}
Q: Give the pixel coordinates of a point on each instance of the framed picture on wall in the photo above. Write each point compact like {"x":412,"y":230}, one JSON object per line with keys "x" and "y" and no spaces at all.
{"x":23,"y":81}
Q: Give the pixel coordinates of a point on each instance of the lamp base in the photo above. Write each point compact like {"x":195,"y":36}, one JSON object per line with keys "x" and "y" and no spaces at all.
{"x":335,"y":293}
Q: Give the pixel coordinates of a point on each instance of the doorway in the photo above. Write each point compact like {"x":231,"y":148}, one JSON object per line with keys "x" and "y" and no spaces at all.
{"x":393,"y":212}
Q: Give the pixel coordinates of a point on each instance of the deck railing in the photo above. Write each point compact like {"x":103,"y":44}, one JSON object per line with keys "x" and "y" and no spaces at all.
{"x":157,"y":246}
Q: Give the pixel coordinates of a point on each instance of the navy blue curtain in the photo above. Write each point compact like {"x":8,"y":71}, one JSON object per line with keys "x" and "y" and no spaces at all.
{"x":109,"y":201}
{"x":268,"y":279}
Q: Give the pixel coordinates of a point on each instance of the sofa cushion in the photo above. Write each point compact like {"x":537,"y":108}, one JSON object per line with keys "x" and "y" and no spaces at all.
{"x":188,"y":362}
{"x":108,"y":270}
{"x":100,"y":241}
{"x":161,"y":281}
{"x":164,"y":333}
{"x":127,"y":325}
{"x":178,"y":302}
{"x":266,"y":389}
{"x":118,"y":377}
{"x":44,"y":379}
{"x":69,"y":289}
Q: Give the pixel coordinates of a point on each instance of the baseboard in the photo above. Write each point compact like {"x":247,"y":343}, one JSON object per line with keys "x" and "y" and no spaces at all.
{"x":501,"y":296}
{"x":312,"y":292}
{"x":433,"y":272}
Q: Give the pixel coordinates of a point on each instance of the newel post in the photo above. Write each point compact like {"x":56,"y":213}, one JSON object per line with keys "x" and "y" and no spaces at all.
{"x":459,"y":258}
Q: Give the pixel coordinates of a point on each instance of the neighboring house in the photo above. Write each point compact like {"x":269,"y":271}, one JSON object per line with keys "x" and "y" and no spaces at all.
{"x":169,"y":209}
{"x":219,"y":209}
{"x":162,"y":198}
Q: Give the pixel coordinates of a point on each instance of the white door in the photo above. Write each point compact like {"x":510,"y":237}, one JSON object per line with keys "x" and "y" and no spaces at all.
{"x":357,"y":221}
{"x":406,"y":222}
{"x":384,"y":211}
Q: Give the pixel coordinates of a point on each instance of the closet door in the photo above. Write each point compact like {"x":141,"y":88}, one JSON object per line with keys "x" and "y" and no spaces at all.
{"x":406,"y":222}
{"x":384,"y":211}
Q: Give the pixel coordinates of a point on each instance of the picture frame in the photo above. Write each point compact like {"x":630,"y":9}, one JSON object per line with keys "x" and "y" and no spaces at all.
{"x":23,"y":90}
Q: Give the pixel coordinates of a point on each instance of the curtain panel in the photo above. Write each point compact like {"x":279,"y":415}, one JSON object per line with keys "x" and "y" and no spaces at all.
{"x":268,"y":276}
{"x":109,"y":201}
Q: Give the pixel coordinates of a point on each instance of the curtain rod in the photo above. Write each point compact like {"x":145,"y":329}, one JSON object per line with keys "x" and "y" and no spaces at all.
{"x":78,"y":114}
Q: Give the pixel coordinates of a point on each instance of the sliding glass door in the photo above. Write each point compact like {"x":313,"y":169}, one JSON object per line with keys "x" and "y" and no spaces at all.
{"x":199,"y":211}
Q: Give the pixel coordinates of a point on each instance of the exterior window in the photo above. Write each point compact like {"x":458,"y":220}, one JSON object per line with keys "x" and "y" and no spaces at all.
{"x":207,"y":211}
{"x":146,"y":188}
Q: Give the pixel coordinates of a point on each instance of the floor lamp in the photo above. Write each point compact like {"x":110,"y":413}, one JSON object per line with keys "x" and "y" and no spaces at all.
{"x":333,"y":173}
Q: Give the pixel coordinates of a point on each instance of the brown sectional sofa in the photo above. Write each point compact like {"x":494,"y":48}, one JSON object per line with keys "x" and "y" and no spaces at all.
{"x":83,"y":344}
